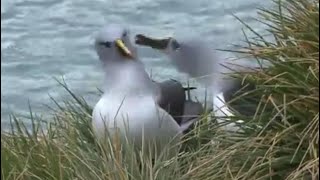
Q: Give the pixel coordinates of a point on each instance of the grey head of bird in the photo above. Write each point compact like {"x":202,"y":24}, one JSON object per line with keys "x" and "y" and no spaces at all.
{"x":191,"y":56}
{"x":112,"y":44}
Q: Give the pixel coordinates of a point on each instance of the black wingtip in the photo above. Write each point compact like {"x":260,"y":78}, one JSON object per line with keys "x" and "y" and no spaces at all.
{"x":189,"y":88}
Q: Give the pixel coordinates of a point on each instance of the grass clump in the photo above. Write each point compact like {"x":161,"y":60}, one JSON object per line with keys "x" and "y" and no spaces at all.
{"x":67,"y":150}
{"x":285,"y":147}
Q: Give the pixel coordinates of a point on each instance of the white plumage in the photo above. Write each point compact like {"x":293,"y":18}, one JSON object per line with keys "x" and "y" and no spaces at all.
{"x":129,"y":100}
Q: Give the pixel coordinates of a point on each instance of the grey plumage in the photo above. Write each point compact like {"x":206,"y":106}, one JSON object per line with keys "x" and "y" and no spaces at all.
{"x":196,"y":58}
{"x":173,"y":100}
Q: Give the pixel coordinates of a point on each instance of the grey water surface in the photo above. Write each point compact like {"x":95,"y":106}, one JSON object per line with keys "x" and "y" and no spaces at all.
{"x":43,"y":39}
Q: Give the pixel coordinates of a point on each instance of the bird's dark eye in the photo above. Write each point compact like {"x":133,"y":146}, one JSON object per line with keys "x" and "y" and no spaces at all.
{"x":175,"y":45}
{"x":125,"y":33}
{"x":106,"y":44}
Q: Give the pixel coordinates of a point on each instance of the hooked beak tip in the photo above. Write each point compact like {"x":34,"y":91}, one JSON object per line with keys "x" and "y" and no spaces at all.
{"x":124,"y":49}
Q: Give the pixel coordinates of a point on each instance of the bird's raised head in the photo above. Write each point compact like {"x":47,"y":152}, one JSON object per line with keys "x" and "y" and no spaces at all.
{"x":112,"y":43}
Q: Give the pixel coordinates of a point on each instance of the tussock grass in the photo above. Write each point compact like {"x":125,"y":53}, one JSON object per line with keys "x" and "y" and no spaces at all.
{"x":285,"y":147}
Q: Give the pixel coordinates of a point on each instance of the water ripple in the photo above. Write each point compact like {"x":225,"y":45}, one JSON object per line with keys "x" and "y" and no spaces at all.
{"x":53,"y":38}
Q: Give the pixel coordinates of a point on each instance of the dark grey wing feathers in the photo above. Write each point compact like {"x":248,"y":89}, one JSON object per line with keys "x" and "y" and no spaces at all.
{"x":173,"y":100}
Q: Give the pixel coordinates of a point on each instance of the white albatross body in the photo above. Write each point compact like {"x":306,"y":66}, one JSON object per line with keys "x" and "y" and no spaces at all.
{"x":129,"y":103}
{"x":137,"y":118}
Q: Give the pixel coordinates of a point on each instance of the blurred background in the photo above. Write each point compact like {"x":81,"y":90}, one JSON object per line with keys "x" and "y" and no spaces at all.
{"x":44,"y":39}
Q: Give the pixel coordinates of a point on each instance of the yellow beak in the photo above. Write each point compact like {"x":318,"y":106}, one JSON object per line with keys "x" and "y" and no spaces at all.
{"x":123,"y":48}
